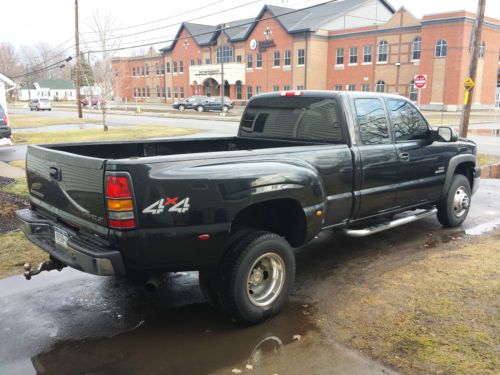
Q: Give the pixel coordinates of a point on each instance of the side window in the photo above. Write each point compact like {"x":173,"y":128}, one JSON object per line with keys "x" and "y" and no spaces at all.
{"x":407,"y":122}
{"x":372,"y":122}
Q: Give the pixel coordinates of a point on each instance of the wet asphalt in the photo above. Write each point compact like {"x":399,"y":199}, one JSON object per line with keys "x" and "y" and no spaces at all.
{"x":73,"y":323}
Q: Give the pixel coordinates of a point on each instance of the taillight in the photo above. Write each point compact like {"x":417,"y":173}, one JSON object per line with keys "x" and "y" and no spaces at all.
{"x":5,"y":122}
{"x":119,"y":202}
{"x":292,"y":93}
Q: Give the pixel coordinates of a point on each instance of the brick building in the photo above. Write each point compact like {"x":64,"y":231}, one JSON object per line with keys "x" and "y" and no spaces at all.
{"x":363,"y":45}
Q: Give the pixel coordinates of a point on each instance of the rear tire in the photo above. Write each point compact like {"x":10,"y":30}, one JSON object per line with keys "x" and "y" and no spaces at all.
{"x":255,"y":277}
{"x":225,"y":108}
{"x":454,"y":207}
{"x":200,"y":108}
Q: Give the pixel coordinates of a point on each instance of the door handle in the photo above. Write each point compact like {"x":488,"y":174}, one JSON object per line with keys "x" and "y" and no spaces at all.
{"x":404,"y":156}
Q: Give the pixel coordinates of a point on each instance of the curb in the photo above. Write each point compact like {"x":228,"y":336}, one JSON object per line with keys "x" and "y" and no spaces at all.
{"x":490,"y":171}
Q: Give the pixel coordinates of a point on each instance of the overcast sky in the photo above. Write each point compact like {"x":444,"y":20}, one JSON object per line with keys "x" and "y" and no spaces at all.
{"x":30,"y":21}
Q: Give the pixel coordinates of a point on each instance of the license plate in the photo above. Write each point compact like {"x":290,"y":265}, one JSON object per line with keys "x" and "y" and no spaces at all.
{"x":61,"y":237}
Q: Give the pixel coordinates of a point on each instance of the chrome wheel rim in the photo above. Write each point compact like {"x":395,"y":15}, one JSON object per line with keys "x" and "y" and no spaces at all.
{"x":181,"y":108}
{"x":460,"y":202}
{"x":265,"y":279}
{"x":199,"y":109}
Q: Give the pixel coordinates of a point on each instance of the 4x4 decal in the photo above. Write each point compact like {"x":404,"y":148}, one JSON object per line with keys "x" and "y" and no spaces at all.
{"x":160,"y":205}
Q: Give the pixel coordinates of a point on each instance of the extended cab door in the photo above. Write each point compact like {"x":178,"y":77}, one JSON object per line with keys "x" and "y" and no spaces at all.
{"x":376,"y":188}
{"x":421,"y":163}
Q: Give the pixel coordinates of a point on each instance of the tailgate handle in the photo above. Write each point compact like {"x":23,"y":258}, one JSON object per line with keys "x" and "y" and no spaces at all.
{"x":55,"y":173}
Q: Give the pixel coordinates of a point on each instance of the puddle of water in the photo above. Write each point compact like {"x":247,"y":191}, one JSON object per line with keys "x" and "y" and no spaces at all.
{"x":483,"y":228}
{"x":53,"y":128}
{"x":190,"y":340}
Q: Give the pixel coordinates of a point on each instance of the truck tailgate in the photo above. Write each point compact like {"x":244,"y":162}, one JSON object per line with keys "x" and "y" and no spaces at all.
{"x":69,"y":186}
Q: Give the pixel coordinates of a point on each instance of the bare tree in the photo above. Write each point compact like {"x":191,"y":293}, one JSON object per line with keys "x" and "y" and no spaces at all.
{"x":10,"y":61}
{"x":41,"y":55}
{"x":102,"y":26}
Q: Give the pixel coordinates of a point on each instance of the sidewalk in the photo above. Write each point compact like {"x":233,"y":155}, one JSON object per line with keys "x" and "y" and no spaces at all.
{"x":7,"y":170}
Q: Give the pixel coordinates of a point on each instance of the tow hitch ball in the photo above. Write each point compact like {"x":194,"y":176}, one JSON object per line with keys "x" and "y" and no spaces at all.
{"x":48,"y":265}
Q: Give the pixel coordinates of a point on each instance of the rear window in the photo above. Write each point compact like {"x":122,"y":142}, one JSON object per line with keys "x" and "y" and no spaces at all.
{"x":44,"y":100}
{"x":306,"y":118}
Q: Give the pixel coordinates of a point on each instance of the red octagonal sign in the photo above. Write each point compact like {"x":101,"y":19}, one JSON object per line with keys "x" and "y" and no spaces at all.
{"x":420,"y":81}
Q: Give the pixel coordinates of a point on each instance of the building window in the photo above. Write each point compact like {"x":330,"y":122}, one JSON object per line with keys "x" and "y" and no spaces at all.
{"x":238,"y":59}
{"x":143,"y":92}
{"x":286,"y":88}
{"x":162,"y":69}
{"x":276,"y":88}
{"x":258,"y":60}
{"x":353,"y":55}
{"x":157,"y":91}
{"x":169,"y":92}
{"x":163,"y":92}
{"x":340,"y":57}
{"x":441,"y":48}
{"x":148,"y":92}
{"x":228,"y":55}
{"x":300,"y":87}
{"x":133,"y":71}
{"x":301,"y":57}
{"x":413,"y":92}
{"x":365,"y":87}
{"x":367,"y":54}
{"x":135,"y":91}
{"x":338,"y":87}
{"x":157,"y":70}
{"x":351,"y":87}
{"x":482,"y":47}
{"x":181,"y":66}
{"x":191,"y":62}
{"x":207,"y":61}
{"x":249,"y":61}
{"x":182,"y":92}
{"x":168,"y":67}
{"x":380,"y":86}
{"x":147,"y":69}
{"x":238,"y":90}
{"x":199,"y":60}
{"x":176,"y":94}
{"x":276,"y":58}
{"x":383,"y":49}
{"x":142,"y":71}
{"x":258,"y":89}
{"x":288,"y":58}
{"x":416,"y":47}
{"x":175,"y":67}
{"x":249,"y":92}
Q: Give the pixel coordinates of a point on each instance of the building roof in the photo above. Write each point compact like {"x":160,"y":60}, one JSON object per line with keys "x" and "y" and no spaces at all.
{"x":6,"y":79}
{"x":53,"y":84}
{"x":308,"y":19}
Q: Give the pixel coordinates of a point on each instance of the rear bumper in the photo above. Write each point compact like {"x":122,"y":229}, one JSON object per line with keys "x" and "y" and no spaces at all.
{"x":84,"y":254}
{"x":5,"y":132}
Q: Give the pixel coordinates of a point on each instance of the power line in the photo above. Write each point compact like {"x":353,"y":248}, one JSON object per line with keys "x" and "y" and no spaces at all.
{"x":46,"y":68}
{"x":211,"y":32}
{"x":178,"y":23}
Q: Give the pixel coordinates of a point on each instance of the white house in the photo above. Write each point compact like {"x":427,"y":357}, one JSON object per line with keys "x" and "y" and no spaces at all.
{"x":54,"y":89}
{"x":5,"y":84}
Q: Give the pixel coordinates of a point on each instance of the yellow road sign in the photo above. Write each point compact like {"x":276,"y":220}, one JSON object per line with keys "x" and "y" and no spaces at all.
{"x":468,"y":83}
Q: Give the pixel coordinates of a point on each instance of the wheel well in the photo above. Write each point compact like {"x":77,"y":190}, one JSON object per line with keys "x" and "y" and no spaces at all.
{"x":281,"y":216}
{"x":466,"y":169}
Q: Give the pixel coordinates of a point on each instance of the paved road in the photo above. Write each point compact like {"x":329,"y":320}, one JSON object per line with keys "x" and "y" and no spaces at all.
{"x":70,"y":322}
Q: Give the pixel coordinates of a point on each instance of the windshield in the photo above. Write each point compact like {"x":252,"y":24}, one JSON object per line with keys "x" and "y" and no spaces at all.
{"x":44,"y":100}
{"x":306,"y":118}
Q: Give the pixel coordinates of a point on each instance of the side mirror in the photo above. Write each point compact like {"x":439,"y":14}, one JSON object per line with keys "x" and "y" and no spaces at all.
{"x":445,"y":134}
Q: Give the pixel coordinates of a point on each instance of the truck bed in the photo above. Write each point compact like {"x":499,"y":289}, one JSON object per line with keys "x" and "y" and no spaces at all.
{"x":134,"y":149}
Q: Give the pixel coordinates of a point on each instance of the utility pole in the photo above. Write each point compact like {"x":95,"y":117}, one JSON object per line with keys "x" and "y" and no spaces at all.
{"x":222,"y":69}
{"x":476,"y":43}
{"x":77,"y":47}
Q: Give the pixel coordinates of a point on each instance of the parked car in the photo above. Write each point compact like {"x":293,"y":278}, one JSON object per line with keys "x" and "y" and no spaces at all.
{"x":40,"y":105}
{"x":234,"y":207}
{"x":5,"y":131}
{"x":94,"y":102}
{"x":190,"y":103}
{"x":214,"y":104}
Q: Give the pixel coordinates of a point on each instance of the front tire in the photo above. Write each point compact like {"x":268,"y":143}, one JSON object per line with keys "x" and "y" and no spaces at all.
{"x":182,"y":108}
{"x":454,"y":207}
{"x":200,"y":108}
{"x":255,"y":277}
{"x":225,"y":108}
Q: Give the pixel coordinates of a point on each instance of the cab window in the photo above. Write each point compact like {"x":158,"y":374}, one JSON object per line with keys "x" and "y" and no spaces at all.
{"x":407,"y":123}
{"x":372,"y":121}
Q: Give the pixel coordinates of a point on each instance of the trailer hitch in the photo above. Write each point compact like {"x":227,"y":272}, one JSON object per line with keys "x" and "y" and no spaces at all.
{"x":48,"y":265}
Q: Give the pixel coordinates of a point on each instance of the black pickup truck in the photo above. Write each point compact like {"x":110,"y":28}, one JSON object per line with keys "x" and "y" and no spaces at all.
{"x":233,"y":208}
